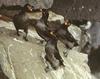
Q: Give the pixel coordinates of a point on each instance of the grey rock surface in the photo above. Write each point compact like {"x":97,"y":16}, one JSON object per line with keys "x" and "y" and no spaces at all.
{"x":35,"y":3}
{"x":22,"y":60}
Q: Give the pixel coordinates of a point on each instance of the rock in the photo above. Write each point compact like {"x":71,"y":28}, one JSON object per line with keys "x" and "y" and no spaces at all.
{"x":35,"y":3}
{"x":21,"y":60}
{"x":6,"y":63}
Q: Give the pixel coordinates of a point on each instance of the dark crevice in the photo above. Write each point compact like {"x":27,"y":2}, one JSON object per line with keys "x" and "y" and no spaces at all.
{"x":2,"y":75}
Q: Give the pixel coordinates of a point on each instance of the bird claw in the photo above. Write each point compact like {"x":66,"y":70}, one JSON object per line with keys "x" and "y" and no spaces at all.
{"x":25,"y":38}
{"x":65,"y":53}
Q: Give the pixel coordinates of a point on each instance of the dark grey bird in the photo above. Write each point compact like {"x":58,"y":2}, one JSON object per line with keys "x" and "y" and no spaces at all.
{"x":21,"y":19}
